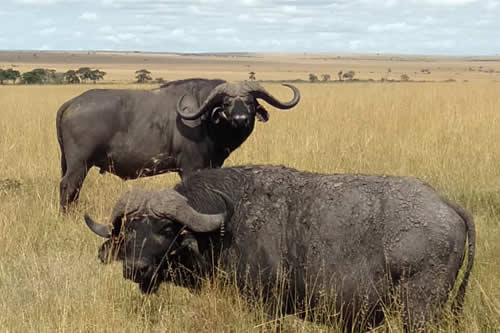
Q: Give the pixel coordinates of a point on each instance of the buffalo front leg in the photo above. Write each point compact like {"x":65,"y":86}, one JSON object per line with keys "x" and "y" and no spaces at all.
{"x":71,"y":184}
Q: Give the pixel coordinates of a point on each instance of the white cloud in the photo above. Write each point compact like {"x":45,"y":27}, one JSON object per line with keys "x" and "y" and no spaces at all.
{"x":196,"y":10}
{"x":224,"y":31}
{"x":229,"y":40}
{"x":329,"y":35}
{"x":289,"y":9}
{"x":439,"y":44}
{"x":46,"y":21}
{"x":106,"y":29}
{"x":177,"y":33}
{"x":429,"y":20}
{"x":448,"y":2}
{"x":244,"y":17}
{"x":88,"y":16}
{"x":482,"y":22}
{"x":36,"y":2}
{"x":391,"y":3}
{"x":302,"y":21}
{"x":120,"y":38}
{"x":126,"y":36}
{"x":249,"y":2}
{"x":381,"y":3}
{"x":48,"y":31}
{"x":354,"y":45}
{"x":210,"y":2}
{"x":112,"y":38}
{"x":491,"y":5}
{"x":390,"y":27}
{"x":145,"y":28}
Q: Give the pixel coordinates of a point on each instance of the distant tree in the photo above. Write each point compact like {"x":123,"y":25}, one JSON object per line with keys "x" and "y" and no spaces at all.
{"x":32,"y":77}
{"x":143,"y":75}
{"x":71,"y":77}
{"x":405,"y":77}
{"x":84,"y":73}
{"x":12,"y":75}
{"x":3,"y":76}
{"x":251,"y":76}
{"x":339,"y":74}
{"x":160,"y":80}
{"x":51,"y":76}
{"x":57,"y":78}
{"x":349,"y":75}
{"x":41,"y":74}
{"x":325,"y":77}
{"x":313,"y":78}
{"x":96,"y":75}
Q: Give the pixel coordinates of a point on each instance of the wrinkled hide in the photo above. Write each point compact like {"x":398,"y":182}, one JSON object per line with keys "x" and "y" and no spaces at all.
{"x":358,"y":240}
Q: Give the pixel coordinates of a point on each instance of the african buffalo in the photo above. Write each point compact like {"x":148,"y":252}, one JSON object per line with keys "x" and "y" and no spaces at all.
{"x":183,"y":126}
{"x":357,"y":239}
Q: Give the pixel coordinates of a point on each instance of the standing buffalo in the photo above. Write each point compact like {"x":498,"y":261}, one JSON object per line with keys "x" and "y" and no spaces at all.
{"x":356,"y":239}
{"x":182,"y":126}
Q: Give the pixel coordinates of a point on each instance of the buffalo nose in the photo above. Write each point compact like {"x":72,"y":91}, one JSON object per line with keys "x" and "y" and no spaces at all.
{"x":240,"y":120}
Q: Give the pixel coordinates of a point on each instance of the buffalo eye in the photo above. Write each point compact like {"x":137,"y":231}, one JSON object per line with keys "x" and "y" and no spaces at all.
{"x":167,"y":230}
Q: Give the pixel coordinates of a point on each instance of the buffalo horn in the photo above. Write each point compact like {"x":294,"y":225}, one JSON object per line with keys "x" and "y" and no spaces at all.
{"x":102,"y":230}
{"x":176,"y":207}
{"x":209,"y":103}
{"x":259,"y":92}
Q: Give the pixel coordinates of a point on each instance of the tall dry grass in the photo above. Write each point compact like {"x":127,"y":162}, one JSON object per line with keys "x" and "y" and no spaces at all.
{"x":50,"y":280}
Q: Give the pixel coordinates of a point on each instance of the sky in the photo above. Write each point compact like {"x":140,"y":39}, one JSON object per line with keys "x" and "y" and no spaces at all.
{"x":433,"y":27}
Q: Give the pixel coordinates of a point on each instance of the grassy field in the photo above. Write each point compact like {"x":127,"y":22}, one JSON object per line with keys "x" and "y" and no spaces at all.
{"x":50,"y":280}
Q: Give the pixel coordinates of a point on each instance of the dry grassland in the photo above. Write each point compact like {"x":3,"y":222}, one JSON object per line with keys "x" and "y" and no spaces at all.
{"x":50,"y":281}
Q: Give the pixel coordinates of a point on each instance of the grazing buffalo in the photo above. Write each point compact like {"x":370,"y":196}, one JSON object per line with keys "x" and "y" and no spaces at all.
{"x":359,"y":240}
{"x":183,"y":126}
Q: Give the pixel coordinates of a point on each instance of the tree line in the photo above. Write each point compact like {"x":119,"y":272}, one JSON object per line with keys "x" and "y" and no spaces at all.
{"x":349,"y":75}
{"x":51,"y":76}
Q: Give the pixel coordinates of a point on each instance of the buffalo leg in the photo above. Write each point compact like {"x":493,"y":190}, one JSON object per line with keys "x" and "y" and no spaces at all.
{"x":422,"y":297}
{"x":71,"y":184}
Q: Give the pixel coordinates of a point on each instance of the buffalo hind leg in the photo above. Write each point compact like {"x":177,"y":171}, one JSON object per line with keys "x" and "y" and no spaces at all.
{"x":71,"y":184}
{"x":422,"y":298}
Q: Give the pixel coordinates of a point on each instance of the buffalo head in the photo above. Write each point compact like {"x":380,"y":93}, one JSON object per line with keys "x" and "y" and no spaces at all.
{"x":235,"y":103}
{"x":150,"y":230}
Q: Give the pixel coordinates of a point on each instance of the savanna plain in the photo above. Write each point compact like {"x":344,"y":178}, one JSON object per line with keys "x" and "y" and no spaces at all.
{"x":445,"y":133}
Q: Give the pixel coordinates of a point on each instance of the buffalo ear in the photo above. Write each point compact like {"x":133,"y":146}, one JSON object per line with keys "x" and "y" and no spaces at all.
{"x":217,"y":114}
{"x":190,"y":245}
{"x":189,"y":242}
{"x":262,"y":114}
{"x":188,"y":104}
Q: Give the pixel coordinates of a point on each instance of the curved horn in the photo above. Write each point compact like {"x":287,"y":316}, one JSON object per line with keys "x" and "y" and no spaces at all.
{"x":215,"y":97}
{"x":259,"y":92}
{"x":102,"y":230}
{"x":174,"y":205}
